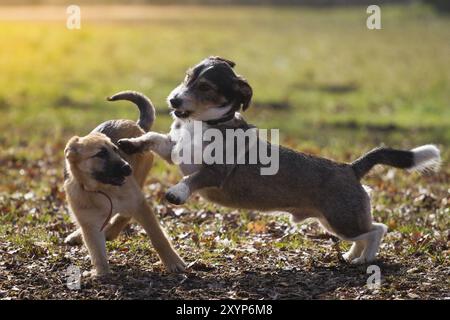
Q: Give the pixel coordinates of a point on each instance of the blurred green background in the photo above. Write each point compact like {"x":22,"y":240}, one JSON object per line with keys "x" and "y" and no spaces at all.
{"x":318,"y":74}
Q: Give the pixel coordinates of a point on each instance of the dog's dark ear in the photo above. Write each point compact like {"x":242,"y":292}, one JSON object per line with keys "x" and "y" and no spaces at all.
{"x":71,"y":151}
{"x":229,"y":62}
{"x":245,"y":92}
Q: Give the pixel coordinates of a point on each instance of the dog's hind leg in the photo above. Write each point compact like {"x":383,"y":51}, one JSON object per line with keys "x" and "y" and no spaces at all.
{"x":117,"y":224}
{"x":112,"y":231}
{"x":365,"y":246}
{"x":355,"y":251}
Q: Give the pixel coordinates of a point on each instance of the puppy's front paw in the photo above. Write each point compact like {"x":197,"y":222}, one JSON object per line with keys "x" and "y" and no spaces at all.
{"x":130,"y":146}
{"x":176,"y":265}
{"x":178,"y":194}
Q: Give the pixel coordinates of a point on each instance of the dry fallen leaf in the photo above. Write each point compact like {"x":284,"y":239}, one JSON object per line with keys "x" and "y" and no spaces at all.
{"x":257,"y":227}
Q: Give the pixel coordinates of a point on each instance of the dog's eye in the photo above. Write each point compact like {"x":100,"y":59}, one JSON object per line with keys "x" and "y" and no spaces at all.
{"x":103,"y":153}
{"x":204,"y":87}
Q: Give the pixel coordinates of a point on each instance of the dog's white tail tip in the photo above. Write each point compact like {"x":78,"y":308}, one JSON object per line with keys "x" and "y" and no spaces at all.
{"x":427,"y":157}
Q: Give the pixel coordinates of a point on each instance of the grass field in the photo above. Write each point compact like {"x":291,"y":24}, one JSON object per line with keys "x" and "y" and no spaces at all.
{"x":329,"y":84}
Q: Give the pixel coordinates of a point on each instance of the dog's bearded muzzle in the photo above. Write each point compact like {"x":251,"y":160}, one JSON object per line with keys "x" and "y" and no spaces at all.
{"x":175,"y":105}
{"x":181,"y":114}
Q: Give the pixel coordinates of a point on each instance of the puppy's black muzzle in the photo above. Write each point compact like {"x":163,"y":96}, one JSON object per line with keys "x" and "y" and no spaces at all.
{"x":113,"y":173}
{"x":126,"y":170}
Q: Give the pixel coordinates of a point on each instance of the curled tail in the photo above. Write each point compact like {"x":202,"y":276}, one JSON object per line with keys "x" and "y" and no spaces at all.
{"x":146,"y":109}
{"x":422,"y":158}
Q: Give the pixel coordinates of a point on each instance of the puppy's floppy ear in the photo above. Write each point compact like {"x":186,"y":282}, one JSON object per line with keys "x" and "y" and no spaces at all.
{"x":71,"y":151}
{"x":244,"y":92}
{"x":229,"y":62}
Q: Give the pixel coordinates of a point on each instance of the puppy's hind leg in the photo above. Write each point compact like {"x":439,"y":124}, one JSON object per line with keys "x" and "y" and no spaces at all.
{"x":112,"y":231}
{"x":117,"y":224}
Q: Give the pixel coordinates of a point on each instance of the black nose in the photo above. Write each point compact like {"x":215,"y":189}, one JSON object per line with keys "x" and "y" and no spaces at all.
{"x":126,"y":170}
{"x":175,"y":102}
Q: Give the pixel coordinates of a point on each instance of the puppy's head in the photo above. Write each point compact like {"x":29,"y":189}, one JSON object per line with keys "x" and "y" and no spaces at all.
{"x":95,"y":159}
{"x":209,"y":91}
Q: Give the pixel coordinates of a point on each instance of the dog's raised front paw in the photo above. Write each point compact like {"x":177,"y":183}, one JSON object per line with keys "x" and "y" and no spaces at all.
{"x":130,"y":146}
{"x":178,"y":194}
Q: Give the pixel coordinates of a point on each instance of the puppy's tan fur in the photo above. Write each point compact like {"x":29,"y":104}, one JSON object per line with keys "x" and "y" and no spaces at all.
{"x":88,"y":197}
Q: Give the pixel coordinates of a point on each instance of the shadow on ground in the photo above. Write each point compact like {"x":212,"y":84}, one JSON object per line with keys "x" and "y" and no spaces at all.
{"x":314,"y":282}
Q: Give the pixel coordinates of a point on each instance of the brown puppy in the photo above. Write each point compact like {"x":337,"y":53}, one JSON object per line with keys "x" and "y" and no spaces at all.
{"x":99,"y":183}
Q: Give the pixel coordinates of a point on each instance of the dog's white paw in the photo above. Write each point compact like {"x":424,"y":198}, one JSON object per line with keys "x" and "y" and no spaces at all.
{"x":74,"y":238}
{"x":178,"y":194}
{"x":361,"y":260}
{"x":348,"y":256}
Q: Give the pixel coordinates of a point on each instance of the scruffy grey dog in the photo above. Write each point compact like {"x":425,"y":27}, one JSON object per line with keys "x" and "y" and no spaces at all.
{"x":305,"y":186}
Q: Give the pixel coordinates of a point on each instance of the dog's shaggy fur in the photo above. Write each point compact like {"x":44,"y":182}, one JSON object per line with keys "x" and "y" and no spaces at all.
{"x":305,"y":186}
{"x":101,"y":181}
